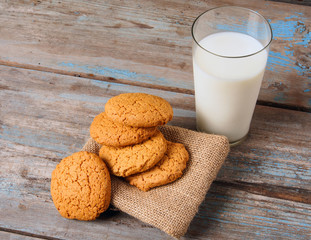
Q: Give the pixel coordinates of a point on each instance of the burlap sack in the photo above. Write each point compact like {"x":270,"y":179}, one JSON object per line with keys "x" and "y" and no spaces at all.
{"x":172,"y":207}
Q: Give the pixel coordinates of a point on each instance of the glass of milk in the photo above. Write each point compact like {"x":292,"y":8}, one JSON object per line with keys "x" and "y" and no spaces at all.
{"x":230,"y":51}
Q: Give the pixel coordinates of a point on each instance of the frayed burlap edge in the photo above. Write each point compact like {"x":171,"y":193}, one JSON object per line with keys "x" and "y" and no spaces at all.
{"x":172,"y":207}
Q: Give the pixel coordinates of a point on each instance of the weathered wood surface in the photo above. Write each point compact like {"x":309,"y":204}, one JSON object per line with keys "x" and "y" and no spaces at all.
{"x":225,"y":214}
{"x":148,"y":43}
{"x":263,"y":190}
{"x":302,"y":2}
{"x":15,"y":236}
{"x":36,"y":115}
{"x":45,"y":117}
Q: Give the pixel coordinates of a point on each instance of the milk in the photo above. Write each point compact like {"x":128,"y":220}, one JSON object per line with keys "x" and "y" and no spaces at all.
{"x":226,"y":89}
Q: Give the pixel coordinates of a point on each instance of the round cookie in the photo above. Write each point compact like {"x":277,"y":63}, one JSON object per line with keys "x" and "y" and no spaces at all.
{"x":129,"y":160}
{"x":81,"y":186}
{"x":167,"y":170}
{"x":110,"y":133}
{"x":139,"y":110}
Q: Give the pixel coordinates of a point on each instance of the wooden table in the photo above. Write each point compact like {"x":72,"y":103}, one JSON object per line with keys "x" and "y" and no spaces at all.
{"x":61,"y":60}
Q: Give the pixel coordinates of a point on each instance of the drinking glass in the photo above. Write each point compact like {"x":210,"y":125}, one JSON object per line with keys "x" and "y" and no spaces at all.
{"x":230,"y":51}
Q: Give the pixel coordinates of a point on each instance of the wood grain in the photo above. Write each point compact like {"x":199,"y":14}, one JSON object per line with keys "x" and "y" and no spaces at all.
{"x":302,"y":2}
{"x":62,"y":60}
{"x":225,"y":214}
{"x":270,"y":190}
{"x":147,"y":43}
{"x":45,"y":117}
{"x":39,"y":216}
{"x":54,"y":112}
{"x":226,"y":211}
{"x":277,"y":150}
{"x":19,"y":235}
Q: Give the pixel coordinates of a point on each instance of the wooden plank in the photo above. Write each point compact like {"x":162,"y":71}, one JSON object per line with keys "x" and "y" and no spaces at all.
{"x":53,"y":113}
{"x":276,"y":152}
{"x":26,"y":212}
{"x":147,"y":43}
{"x":18,"y":235}
{"x":302,"y":2}
{"x":230,"y":214}
{"x":45,"y":117}
{"x":266,"y":189}
{"x":236,"y":212}
{"x":225,"y":214}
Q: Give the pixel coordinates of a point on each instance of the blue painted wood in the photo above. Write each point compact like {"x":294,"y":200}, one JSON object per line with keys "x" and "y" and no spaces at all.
{"x":148,"y":43}
{"x":302,"y":2}
{"x":225,"y":207}
{"x":225,"y":214}
{"x":57,"y":119}
{"x":45,"y":116}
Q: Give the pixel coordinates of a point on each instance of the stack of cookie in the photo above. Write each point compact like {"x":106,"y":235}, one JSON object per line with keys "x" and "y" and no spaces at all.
{"x":132,"y":146}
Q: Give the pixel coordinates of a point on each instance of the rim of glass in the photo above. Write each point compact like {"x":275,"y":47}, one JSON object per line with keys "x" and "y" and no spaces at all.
{"x":247,"y":9}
